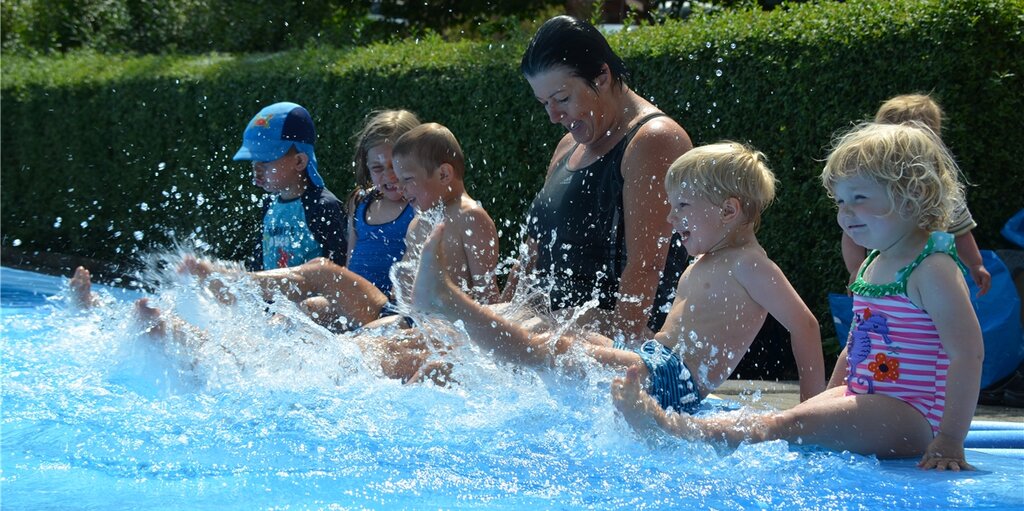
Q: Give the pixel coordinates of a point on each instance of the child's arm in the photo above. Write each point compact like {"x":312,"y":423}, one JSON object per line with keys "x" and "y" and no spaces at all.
{"x":839,"y":372}
{"x":481,"y":246}
{"x":350,"y":206}
{"x":937,"y":286}
{"x":967,"y":249}
{"x":770,"y":288}
{"x":853,"y":256}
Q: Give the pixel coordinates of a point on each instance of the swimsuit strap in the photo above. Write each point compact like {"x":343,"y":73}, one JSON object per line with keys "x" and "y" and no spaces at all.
{"x":627,"y":138}
{"x":938,"y":242}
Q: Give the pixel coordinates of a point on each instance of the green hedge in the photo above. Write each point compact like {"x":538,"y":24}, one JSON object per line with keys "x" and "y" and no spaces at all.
{"x":199,"y":26}
{"x":130,"y":153}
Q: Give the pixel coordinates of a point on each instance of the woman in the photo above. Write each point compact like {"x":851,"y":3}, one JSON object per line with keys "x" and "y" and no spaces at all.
{"x":598,"y":228}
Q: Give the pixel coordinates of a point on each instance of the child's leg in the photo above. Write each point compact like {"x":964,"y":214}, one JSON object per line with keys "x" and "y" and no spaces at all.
{"x":435,"y":293}
{"x":865,"y":424}
{"x":348,"y":294}
{"x":176,"y":335}
{"x":345,"y":293}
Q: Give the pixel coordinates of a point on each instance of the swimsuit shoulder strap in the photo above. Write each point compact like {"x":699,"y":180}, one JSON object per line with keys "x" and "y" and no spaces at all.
{"x":938,"y":242}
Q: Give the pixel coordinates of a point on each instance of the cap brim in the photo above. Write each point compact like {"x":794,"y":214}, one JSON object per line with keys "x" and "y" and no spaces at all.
{"x":264,"y":152}
{"x":243,"y":154}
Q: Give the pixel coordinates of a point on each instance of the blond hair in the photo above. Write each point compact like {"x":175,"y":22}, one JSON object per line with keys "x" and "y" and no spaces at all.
{"x":910,"y":160}
{"x":432,"y":145}
{"x":380,"y":127}
{"x":911,"y":107}
{"x":726,"y":170}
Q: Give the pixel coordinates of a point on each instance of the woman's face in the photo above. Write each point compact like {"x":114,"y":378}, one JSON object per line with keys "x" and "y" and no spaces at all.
{"x":571,"y":102}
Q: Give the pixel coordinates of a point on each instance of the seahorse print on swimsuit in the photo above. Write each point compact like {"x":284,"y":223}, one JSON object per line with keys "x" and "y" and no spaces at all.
{"x":859,"y":345}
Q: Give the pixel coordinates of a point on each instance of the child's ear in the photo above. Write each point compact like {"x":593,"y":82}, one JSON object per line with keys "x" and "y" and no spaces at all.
{"x":731,"y":209}
{"x":301,"y":160}
{"x":446,"y":173}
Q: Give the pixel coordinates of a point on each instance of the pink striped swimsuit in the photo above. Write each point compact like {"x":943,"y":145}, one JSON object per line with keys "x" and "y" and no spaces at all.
{"x":894,"y":348}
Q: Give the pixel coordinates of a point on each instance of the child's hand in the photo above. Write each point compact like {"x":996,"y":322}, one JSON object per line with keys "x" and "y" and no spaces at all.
{"x":638,"y":407}
{"x":945,"y":453}
{"x":982,"y":278}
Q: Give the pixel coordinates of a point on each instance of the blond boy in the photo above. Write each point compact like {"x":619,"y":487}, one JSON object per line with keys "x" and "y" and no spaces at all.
{"x":717,"y":194}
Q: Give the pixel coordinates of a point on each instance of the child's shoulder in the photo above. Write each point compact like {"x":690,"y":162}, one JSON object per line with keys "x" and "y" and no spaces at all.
{"x":751,"y":262}
{"x":747,"y":255}
{"x":470,"y":210}
{"x":937,"y":264}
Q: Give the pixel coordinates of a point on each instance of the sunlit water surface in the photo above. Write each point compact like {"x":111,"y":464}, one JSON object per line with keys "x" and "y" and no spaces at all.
{"x":97,"y":417}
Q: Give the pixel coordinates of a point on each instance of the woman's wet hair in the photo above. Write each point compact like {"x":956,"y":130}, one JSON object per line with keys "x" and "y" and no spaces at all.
{"x":575,"y":45}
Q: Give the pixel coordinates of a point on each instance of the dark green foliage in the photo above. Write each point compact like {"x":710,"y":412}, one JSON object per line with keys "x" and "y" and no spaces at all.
{"x":89,"y":139}
{"x":199,"y":26}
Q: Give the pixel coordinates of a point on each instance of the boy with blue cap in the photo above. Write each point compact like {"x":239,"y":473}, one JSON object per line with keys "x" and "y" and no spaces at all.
{"x":302,"y":220}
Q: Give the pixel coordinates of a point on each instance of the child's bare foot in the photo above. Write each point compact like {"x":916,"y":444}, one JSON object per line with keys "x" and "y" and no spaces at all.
{"x":81,"y":289}
{"x":191,"y":265}
{"x":433,"y":288}
{"x":150,"y":319}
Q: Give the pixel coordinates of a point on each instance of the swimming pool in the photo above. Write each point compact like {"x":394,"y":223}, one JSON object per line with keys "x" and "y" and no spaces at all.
{"x":94,"y":417}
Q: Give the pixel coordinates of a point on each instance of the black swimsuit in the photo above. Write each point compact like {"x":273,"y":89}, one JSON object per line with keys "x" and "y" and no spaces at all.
{"x":578,"y":223}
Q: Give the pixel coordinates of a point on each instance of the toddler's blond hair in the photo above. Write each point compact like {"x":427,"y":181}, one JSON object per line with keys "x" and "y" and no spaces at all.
{"x":910,"y":160}
{"x":911,"y":107}
{"x":727,"y":169}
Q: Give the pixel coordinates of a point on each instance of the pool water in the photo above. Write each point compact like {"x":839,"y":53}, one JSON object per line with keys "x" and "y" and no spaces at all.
{"x":97,"y":417}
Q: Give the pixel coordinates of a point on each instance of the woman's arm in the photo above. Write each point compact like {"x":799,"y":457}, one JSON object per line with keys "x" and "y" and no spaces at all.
{"x":656,"y":145}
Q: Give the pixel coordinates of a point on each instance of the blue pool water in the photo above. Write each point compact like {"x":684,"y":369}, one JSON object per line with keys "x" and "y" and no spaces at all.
{"x":95,"y":417}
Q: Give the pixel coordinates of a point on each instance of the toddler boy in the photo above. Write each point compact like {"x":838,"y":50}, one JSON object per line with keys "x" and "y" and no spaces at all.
{"x":302,"y":219}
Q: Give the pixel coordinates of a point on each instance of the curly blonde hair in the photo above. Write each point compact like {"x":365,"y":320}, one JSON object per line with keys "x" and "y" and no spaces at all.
{"x":727,"y":169}
{"x":910,"y":160}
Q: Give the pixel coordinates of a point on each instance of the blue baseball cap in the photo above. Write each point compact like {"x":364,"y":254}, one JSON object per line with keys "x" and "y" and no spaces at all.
{"x":273,"y":132}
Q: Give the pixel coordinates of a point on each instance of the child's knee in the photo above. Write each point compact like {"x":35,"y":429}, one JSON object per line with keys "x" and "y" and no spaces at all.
{"x":315,"y":306}
{"x":643,"y":374}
